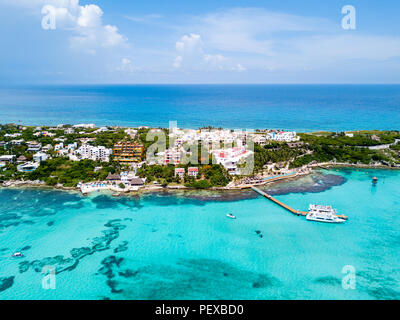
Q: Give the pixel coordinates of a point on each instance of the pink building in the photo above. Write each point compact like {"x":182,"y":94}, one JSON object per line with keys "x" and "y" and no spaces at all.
{"x":193,"y":171}
{"x":180,"y":172}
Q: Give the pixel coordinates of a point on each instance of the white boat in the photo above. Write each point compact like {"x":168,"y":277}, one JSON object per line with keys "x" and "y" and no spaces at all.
{"x":17,"y":254}
{"x":231,"y":216}
{"x":323,"y":214}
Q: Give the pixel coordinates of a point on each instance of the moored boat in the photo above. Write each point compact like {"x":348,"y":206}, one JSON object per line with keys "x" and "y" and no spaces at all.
{"x":231,"y":216}
{"x":323,"y":214}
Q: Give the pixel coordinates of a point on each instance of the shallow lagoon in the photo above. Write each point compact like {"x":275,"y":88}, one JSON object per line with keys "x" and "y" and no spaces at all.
{"x":170,"y":246}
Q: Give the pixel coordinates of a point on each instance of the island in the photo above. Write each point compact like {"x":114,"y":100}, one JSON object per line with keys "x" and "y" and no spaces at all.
{"x":124,"y":160}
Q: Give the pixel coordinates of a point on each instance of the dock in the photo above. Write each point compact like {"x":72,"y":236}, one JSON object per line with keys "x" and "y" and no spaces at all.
{"x":288,"y":208}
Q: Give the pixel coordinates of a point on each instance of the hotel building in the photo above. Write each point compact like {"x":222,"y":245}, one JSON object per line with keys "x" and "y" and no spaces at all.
{"x":128,"y":152}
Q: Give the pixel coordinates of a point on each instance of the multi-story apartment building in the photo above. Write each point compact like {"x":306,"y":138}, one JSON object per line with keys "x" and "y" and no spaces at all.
{"x":99,"y":153}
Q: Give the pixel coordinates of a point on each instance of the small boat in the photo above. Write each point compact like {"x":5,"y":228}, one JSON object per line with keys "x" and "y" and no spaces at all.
{"x":116,"y":195}
{"x":231,"y":216}
{"x":17,"y":255}
{"x":323,"y":214}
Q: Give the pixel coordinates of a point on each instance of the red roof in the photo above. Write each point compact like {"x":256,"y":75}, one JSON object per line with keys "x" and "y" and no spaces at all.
{"x":180,"y":170}
{"x":193,"y":169}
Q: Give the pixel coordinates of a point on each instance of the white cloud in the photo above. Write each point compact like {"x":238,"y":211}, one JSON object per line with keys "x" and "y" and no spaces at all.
{"x":192,"y":56}
{"x":177,"y":62}
{"x":83,"y":21}
{"x":250,"y":29}
{"x":274,"y":41}
{"x":239,"y":68}
{"x":148,"y":18}
{"x":127,"y":66}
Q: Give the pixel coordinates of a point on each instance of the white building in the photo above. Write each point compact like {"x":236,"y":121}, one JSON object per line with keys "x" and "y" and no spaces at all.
{"x":85,"y":125}
{"x":28,"y":167}
{"x":34,"y":146}
{"x":69,"y":131}
{"x":59,"y":146}
{"x":283,"y":136}
{"x":172,"y":156}
{"x":231,"y":157}
{"x":12,"y":135}
{"x":40,"y":156}
{"x":99,"y":153}
{"x":131,"y":132}
{"x":7,"y":158}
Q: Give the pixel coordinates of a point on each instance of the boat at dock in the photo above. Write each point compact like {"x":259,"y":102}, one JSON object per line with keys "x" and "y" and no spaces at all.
{"x":231,"y":216}
{"x":323,"y":214}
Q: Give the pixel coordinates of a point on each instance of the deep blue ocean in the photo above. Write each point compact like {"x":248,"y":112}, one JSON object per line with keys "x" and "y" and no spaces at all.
{"x":291,"y":107}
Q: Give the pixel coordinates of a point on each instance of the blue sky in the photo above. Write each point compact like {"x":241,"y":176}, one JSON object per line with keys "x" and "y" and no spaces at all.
{"x":155,"y":41}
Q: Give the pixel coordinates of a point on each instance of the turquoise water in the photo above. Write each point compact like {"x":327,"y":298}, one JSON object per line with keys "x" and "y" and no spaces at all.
{"x":291,"y":107}
{"x":172,"y":247}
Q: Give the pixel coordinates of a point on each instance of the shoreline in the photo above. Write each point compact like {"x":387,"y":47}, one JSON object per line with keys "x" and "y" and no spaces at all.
{"x":175,"y":189}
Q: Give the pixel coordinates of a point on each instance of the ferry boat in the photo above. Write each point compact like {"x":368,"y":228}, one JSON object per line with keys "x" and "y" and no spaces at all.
{"x":323,"y":214}
{"x":231,"y":216}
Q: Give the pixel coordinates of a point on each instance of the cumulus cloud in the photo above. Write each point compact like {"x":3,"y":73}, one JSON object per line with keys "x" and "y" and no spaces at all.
{"x":83,"y":21}
{"x":278,"y":41}
{"x":192,"y":56}
{"x":127,"y":66}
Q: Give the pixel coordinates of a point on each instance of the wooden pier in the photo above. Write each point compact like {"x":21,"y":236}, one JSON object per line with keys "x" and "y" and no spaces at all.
{"x":290,"y":209}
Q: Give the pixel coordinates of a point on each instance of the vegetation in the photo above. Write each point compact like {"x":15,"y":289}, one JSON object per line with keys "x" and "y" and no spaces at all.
{"x":318,"y":147}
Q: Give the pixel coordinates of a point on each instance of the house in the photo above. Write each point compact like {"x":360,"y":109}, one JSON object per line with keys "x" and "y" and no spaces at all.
{"x":34,"y":146}
{"x":294,"y":145}
{"x":137,"y":182}
{"x":113,"y":178}
{"x":193,"y":171}
{"x":28,"y":167}
{"x":180,"y":172}
{"x":102,"y":129}
{"x":12,"y":135}
{"x":375,"y":137}
{"x":85,"y":126}
{"x":7,"y":158}
{"x":69,"y":131}
{"x":47,"y":148}
{"x":17,"y":142}
{"x":3,"y":144}
{"x":131,"y":132}
{"x":59,"y":146}
{"x":72,"y":146}
{"x":21,"y":159}
{"x":260,"y":139}
{"x":127,"y":176}
{"x":40,"y":156}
